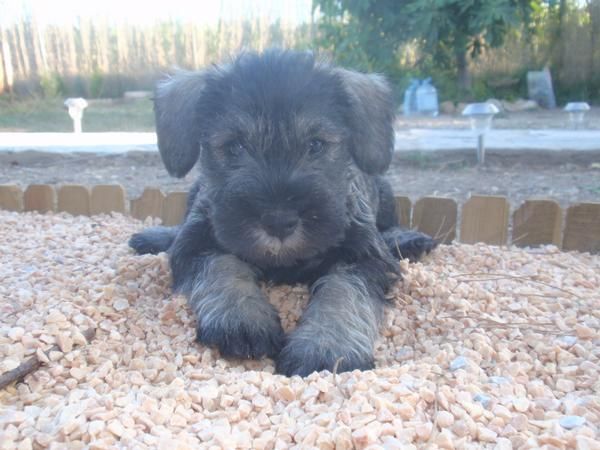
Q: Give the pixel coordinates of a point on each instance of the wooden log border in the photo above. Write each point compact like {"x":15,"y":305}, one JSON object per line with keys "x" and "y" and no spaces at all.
{"x":485,"y":219}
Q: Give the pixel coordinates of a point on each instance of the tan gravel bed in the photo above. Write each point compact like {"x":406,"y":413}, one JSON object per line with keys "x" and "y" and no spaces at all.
{"x":484,"y":347}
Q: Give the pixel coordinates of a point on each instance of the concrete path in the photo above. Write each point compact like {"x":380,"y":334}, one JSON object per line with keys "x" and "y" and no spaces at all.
{"x":431,"y":140}
{"x":106,"y":143}
{"x":425,"y":140}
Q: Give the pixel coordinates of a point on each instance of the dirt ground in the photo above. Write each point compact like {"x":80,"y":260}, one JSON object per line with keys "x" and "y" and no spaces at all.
{"x":568,"y":183}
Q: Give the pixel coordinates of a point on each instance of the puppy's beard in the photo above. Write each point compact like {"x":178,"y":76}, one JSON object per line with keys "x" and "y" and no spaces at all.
{"x":279,"y":251}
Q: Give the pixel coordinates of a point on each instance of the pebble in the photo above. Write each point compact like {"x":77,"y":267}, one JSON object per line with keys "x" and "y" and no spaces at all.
{"x":363,"y":437}
{"x":570,"y":422}
{"x":8,"y":364}
{"x":286,"y":393}
{"x":587,"y":443}
{"x":444,"y":419}
{"x":520,"y":422}
{"x":95,"y":427}
{"x":55,"y":317}
{"x":427,"y":394}
{"x":483,"y":399}
{"x":16,"y":333}
{"x":565,"y":385}
{"x":459,"y":362}
{"x":342,"y":437}
{"x":65,"y":343}
{"x":116,"y":428}
{"x":25,"y":444}
{"x":405,"y":353}
{"x":498,"y":380}
{"x":405,"y":411}
{"x":584,"y":332}
{"x":502,"y":411}
{"x":484,"y":434}
{"x":423,"y":430}
{"x":120,"y":304}
{"x":567,"y":341}
{"x":444,"y":439}
{"x":521,"y":404}
{"x":503,"y":444}
{"x":143,"y":381}
{"x":391,"y":443}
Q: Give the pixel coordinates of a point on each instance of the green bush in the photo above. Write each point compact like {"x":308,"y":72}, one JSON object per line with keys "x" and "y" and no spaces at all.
{"x":51,"y":85}
{"x":96,"y":84}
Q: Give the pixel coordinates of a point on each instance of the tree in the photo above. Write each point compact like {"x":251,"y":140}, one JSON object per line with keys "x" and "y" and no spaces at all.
{"x":369,"y":32}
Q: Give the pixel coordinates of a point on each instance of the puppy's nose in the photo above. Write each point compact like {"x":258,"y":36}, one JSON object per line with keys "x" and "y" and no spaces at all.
{"x":280,"y":223}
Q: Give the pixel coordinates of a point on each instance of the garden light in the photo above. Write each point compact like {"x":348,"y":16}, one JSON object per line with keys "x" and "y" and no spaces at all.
{"x":577,"y":112}
{"x":480,"y":115}
{"x":76,"y":107}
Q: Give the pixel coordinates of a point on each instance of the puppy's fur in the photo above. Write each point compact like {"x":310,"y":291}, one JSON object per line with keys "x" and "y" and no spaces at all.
{"x":290,"y":151}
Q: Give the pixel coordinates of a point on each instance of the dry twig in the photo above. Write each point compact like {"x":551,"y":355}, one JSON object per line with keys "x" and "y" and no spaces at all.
{"x":32,"y":364}
{"x":335,"y":378}
{"x":502,"y":276}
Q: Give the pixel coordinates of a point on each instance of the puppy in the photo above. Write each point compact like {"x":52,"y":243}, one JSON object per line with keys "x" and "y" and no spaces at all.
{"x":290,"y":151}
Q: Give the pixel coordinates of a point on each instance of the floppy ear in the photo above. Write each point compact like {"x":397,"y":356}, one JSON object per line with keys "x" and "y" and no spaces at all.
{"x":372,"y":117}
{"x":175,"y":103}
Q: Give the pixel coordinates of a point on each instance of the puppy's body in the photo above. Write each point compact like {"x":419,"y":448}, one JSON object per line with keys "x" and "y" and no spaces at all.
{"x":290,"y":151}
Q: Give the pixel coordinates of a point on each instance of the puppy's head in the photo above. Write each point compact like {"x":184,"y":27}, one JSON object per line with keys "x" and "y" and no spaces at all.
{"x":279,"y":137}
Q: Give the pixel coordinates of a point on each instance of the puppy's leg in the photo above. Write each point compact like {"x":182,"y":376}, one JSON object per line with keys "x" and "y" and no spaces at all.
{"x":386,"y":208}
{"x":402,"y":243}
{"x":408,"y":244}
{"x":341,"y":322}
{"x":153,"y":240}
{"x":233,"y":313}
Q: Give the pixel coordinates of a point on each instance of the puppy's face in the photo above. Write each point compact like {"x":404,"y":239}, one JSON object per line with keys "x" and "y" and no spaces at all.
{"x":277,"y":142}
{"x":276,"y":155}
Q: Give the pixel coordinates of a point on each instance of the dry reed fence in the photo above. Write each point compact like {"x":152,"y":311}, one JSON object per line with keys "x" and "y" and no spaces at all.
{"x":90,"y":49}
{"x":484,"y":219}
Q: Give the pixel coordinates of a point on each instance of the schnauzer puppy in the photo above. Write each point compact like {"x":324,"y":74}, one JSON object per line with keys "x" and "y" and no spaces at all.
{"x":290,"y":151}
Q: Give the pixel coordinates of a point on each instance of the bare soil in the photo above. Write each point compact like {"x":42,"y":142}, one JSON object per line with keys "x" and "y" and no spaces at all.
{"x":454,"y":176}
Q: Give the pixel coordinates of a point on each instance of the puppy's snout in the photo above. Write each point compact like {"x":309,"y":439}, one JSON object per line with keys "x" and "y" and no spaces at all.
{"x":280,"y":223}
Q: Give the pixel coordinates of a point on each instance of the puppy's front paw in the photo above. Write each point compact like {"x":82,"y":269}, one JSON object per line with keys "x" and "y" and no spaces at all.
{"x":304,"y":356}
{"x":246,"y":337}
{"x":411,"y":245}
{"x":152,"y":240}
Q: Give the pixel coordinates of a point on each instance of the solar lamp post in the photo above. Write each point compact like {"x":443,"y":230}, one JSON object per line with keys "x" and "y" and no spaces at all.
{"x":480,"y":115}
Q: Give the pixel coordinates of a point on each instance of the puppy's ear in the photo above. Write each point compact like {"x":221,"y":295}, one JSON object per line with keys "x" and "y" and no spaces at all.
{"x":372,"y":117}
{"x":175,"y":103}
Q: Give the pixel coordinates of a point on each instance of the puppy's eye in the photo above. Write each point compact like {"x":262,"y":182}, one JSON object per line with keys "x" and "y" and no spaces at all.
{"x":235,"y":149}
{"x":316,"y":147}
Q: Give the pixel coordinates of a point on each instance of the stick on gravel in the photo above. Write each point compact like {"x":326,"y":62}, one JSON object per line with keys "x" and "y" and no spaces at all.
{"x":33,"y":363}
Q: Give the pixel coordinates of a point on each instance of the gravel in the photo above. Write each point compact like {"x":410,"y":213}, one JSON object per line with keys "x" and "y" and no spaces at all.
{"x":523,"y":324}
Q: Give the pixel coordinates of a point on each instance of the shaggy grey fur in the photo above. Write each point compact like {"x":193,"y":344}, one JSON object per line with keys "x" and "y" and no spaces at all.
{"x":290,"y":153}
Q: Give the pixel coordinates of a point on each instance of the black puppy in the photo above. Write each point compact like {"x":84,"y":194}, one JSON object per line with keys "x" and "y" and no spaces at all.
{"x":290,"y":151}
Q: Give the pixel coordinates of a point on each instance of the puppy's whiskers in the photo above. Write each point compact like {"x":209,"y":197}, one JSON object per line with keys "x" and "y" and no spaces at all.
{"x":278,"y":250}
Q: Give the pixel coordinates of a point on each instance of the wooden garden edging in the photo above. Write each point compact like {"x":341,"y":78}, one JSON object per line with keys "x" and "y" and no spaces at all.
{"x":484,"y":219}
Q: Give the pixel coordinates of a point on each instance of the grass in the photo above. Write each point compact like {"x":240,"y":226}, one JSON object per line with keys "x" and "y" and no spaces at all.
{"x":418,"y":159}
{"x":49,"y":115}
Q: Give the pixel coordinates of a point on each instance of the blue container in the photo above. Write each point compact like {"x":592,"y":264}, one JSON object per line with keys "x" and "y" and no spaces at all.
{"x":427,"y":99}
{"x":410,"y":98}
